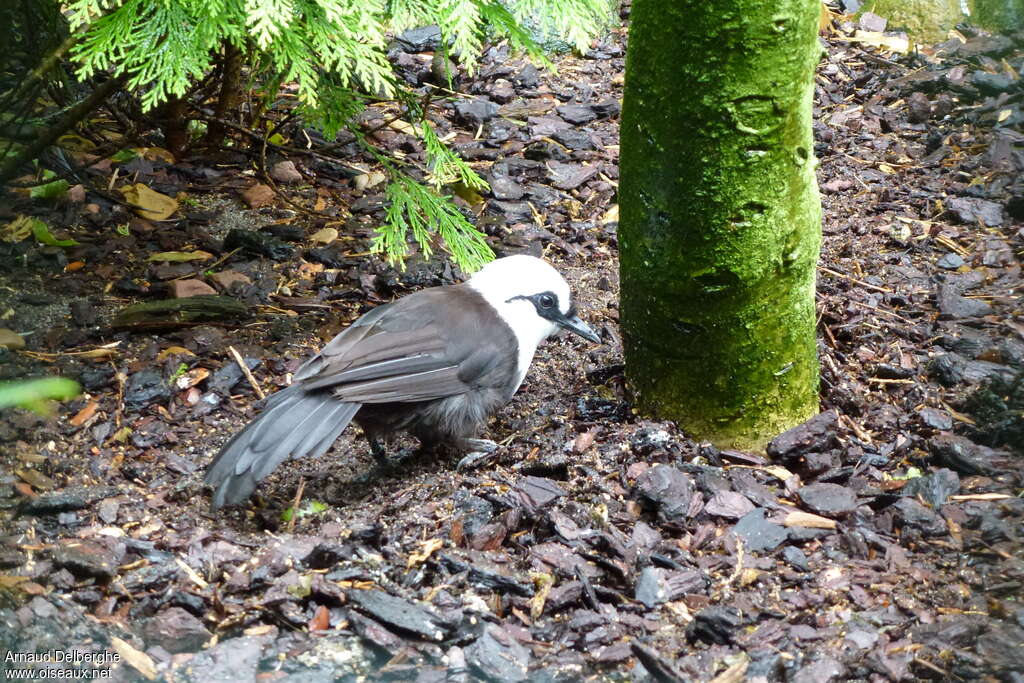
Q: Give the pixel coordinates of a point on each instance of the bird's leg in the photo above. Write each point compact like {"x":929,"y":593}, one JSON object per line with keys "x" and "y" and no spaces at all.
{"x":378,"y":451}
{"x":481,"y":451}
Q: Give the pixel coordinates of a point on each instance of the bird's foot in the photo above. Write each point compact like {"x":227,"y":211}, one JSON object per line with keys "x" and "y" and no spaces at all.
{"x":483,"y":451}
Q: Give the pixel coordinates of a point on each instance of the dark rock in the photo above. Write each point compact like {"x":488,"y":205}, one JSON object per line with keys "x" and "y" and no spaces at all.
{"x":919,"y":109}
{"x":528,"y":76}
{"x":258,"y":244}
{"x":936,"y":419}
{"x":829,"y":500}
{"x":503,"y":187}
{"x":402,"y":614}
{"x":537,"y":492}
{"x":961,"y":454}
{"x":145,"y":387}
{"x":570,"y":176}
{"x":175,"y":630}
{"x":67,"y":500}
{"x":497,"y":656}
{"x":911,"y":513}
{"x":950,"y":261}
{"x":952,"y":305}
{"x":229,"y":374}
{"x":758,"y":534}
{"x":820,"y":670}
{"x":327,"y":554}
{"x":972,"y":210}
{"x":574,"y":139}
{"x":420,"y":39}
{"x":670,"y":491}
{"x":474,"y":511}
{"x":484,"y":574}
{"x":235,"y":659}
{"x":476,"y":111}
{"x":650,"y":587}
{"x":717,"y":625}
{"x":728,"y":504}
{"x":951,"y":369}
{"x":795,"y":558}
{"x":88,"y":558}
{"x":816,"y":434}
{"x":989,"y":83}
{"x":934,"y":488}
{"x":1002,"y":649}
{"x":607,"y":108}
{"x":577,"y":114}
{"x":83,"y":312}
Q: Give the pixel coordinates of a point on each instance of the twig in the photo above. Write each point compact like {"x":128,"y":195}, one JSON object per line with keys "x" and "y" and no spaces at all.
{"x":854,"y":280}
{"x":248,"y":374}
{"x":295,"y":504}
{"x":47,"y":137}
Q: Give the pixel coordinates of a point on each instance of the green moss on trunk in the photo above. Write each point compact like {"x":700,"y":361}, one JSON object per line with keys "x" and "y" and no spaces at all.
{"x":720,"y":215}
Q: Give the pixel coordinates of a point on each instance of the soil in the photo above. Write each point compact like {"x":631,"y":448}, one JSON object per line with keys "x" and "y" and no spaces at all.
{"x":879,"y":541}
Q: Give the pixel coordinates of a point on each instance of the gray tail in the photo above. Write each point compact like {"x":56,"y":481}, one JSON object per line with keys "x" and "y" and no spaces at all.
{"x":294,"y":424}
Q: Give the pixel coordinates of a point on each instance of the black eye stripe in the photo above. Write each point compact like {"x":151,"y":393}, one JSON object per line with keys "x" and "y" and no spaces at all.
{"x":551,"y":312}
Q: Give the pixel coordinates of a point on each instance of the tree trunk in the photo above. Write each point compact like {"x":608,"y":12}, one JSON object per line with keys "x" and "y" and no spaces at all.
{"x":720,"y":216}
{"x":230,"y":95}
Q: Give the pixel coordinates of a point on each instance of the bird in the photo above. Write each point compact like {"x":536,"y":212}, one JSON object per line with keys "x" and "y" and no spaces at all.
{"x":436,"y":363}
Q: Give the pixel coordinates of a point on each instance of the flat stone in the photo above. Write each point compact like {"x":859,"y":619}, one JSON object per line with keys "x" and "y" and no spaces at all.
{"x":498,"y":656}
{"x":758,"y":534}
{"x":87,"y":558}
{"x":669,"y":490}
{"x":285,"y":172}
{"x":235,"y":659}
{"x":183,"y":289}
{"x":828,"y":500}
{"x":400,"y":613}
{"x":974,"y":209}
{"x":728,"y":504}
{"x":258,"y":195}
{"x":577,"y":114}
{"x":816,"y":434}
{"x":952,"y":305}
{"x":175,"y":630}
{"x":476,"y":111}
{"x":226,"y":278}
{"x":145,"y":387}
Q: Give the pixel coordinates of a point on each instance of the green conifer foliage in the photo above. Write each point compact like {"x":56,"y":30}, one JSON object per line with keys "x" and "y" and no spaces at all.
{"x":334,"y":51}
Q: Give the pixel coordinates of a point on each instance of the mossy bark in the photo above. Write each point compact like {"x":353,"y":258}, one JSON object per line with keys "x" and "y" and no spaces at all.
{"x":720,"y":216}
{"x":998,"y":15}
{"x":925,"y":21}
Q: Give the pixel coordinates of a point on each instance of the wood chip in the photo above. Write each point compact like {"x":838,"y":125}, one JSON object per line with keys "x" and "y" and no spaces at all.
{"x":137,"y":659}
{"x":806,"y":519}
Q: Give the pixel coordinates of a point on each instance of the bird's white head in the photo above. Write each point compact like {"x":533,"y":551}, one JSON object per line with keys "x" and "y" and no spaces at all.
{"x":532,"y":298}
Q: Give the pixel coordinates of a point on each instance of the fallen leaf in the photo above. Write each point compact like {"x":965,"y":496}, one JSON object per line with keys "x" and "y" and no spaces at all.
{"x":427,"y":548}
{"x":324,"y":235}
{"x":321,"y":620}
{"x":43,"y":235}
{"x":181,"y":256}
{"x":173,"y":351}
{"x":897,"y":43}
{"x":85,"y":413}
{"x":11,"y":339}
{"x":149,"y":203}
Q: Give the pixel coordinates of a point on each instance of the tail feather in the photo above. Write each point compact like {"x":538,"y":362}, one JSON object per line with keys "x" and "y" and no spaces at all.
{"x":294,"y":424}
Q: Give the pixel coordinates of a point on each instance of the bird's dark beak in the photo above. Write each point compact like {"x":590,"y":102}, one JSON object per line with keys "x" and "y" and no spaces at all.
{"x":577,"y":326}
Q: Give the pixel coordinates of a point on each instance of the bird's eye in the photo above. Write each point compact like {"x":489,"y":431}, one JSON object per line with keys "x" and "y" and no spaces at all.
{"x":547,"y":301}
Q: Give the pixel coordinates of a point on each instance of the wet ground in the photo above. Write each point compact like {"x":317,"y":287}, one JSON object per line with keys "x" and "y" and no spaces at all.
{"x":880,"y":541}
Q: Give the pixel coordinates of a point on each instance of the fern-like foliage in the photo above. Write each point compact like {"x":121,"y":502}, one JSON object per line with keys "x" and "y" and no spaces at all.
{"x":418,"y":209}
{"x":334,"y":51}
